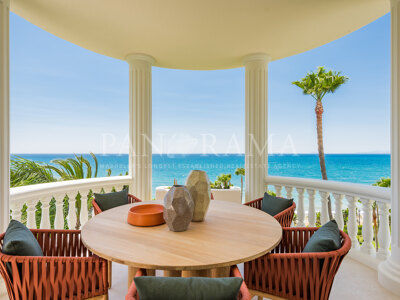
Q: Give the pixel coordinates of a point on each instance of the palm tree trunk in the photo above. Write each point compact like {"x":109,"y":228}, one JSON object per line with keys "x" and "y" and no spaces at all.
{"x":319,"y":110}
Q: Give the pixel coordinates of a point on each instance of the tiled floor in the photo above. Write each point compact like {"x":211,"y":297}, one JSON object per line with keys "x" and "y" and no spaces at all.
{"x":353,"y":281}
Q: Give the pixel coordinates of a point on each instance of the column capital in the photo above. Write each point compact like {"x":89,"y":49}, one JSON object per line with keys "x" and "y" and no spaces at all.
{"x":260,"y":57}
{"x":139,"y":57}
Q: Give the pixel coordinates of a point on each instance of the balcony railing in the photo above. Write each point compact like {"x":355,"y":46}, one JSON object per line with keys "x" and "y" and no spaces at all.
{"x":68,"y":204}
{"x":358,"y":202}
{"x":60,"y":204}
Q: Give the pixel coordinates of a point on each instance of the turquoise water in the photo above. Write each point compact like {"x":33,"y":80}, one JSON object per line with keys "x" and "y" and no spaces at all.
{"x":357,"y":168}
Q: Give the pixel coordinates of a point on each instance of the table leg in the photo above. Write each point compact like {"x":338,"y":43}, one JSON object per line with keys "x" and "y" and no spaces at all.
{"x":197,"y":273}
{"x":172,"y":273}
{"x":131,"y":273}
{"x":220,"y":272}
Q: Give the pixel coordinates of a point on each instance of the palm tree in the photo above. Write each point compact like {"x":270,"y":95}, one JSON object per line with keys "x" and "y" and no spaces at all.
{"x":318,"y":84}
{"x":240,"y":172}
{"x":74,"y":168}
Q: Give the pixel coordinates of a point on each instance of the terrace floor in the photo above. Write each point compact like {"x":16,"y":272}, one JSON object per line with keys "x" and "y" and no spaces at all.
{"x":353,"y":281}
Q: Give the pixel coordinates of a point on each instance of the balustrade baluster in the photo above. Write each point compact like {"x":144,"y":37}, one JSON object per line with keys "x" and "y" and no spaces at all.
{"x":278,"y":190}
{"x":16,"y":211}
{"x":311,"y":207}
{"x":59,"y":219}
{"x":31,"y":214}
{"x":71,"y":212}
{"x":300,"y":208}
{"x":45,"y":217}
{"x":338,"y":210}
{"x":367,"y":228}
{"x":384,"y":231}
{"x":84,"y":217}
{"x":352,"y":227}
{"x":324,"y":216}
{"x":289,"y":192}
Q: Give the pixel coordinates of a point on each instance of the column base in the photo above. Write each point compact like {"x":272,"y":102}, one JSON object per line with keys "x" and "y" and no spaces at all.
{"x":389,"y":275}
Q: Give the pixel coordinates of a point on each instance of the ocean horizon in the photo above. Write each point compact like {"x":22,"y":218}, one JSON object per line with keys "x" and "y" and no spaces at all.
{"x":356,"y":168}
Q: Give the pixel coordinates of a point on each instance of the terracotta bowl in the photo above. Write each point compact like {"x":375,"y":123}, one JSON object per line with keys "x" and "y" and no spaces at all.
{"x":146,"y":215}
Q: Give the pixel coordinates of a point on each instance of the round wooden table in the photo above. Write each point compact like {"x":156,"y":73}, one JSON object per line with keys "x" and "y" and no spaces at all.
{"x":231,"y":234}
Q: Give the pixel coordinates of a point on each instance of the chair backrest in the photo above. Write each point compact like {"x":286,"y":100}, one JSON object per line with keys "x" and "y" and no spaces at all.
{"x":244,"y":293}
{"x":97,"y":209}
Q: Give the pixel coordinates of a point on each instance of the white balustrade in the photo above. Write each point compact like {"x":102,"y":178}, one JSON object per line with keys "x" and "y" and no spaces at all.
{"x":384,"y":231}
{"x":367,"y":194}
{"x":59,"y":218}
{"x":300,"y":208}
{"x":84,"y":217}
{"x":31,"y":213}
{"x":338,"y":209}
{"x":367,"y":228}
{"x":311,"y":207}
{"x":324,"y":207}
{"x":278,"y":190}
{"x":45,"y":220}
{"x":352,"y":226}
{"x":44,"y":193}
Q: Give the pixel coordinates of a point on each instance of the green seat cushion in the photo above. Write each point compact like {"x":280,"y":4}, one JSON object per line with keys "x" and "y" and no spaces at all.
{"x":274,"y":205}
{"x":327,"y":238}
{"x":111,"y":200}
{"x":20,"y":241}
{"x":177,"y":288}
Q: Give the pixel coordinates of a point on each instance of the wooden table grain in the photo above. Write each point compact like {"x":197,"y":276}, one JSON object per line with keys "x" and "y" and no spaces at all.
{"x":231,"y":234}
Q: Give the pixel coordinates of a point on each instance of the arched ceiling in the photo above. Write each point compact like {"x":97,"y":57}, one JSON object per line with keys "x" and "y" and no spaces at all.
{"x":202,"y":34}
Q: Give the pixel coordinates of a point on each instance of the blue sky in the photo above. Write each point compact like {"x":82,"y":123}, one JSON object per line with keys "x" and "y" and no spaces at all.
{"x":67,"y":99}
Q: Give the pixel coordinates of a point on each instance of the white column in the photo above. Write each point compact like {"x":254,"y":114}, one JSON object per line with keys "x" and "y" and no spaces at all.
{"x":389,"y":271}
{"x":256,"y":128}
{"x":4,"y":114}
{"x":140,"y":124}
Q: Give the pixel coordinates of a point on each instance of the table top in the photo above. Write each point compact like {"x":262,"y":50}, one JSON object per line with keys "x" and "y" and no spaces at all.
{"x":231,"y":234}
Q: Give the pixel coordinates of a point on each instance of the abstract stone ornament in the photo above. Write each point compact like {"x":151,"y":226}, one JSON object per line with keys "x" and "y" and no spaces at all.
{"x":178,"y":208}
{"x":198,"y":185}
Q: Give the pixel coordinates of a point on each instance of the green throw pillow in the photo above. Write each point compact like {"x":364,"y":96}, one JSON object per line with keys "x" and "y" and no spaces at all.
{"x":111,"y":200}
{"x":274,"y":205}
{"x":176,"y":288}
{"x":20,"y":241}
{"x":327,"y":238}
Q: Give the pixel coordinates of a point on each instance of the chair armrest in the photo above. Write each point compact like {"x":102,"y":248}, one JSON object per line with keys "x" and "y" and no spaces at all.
{"x":133,"y":199}
{"x":97,"y":210}
{"x":244,"y":293}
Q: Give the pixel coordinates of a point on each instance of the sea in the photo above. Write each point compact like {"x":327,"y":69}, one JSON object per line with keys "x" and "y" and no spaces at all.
{"x":356,"y":168}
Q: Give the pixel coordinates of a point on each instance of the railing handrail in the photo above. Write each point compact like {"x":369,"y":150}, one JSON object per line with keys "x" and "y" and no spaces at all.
{"x":36,"y":190}
{"x":351,"y":189}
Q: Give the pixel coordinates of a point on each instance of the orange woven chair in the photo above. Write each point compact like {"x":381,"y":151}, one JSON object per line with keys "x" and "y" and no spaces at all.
{"x":284,"y":218}
{"x":286,"y":272}
{"x":243,"y":292}
{"x":97,"y":210}
{"x":68,"y":270}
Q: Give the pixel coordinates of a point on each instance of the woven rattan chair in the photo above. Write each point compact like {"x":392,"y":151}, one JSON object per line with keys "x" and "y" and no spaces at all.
{"x":97,"y":210}
{"x":243,"y":292}
{"x":68,"y":270}
{"x":286,"y":272}
{"x":284,"y":217}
